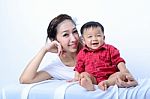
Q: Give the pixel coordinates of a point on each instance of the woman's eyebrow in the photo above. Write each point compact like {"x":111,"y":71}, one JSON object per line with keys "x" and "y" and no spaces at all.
{"x":74,"y":28}
{"x":63,"y":32}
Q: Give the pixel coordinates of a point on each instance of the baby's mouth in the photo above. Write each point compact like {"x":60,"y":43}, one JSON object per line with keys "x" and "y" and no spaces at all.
{"x":95,"y":43}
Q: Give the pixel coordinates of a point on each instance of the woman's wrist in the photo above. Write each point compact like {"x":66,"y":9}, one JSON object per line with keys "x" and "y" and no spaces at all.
{"x":44,"y":50}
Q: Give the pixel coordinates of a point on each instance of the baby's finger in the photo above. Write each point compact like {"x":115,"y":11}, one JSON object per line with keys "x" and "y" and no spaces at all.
{"x":105,"y":86}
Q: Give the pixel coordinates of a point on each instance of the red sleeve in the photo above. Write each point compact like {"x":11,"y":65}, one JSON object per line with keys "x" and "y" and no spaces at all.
{"x":115,"y":56}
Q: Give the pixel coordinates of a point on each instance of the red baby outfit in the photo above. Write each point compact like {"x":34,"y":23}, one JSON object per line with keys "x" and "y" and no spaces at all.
{"x":100,"y":63}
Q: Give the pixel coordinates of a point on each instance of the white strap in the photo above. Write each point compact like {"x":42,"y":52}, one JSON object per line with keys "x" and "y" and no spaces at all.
{"x":58,"y":94}
{"x":3,"y":94}
{"x":26,"y":90}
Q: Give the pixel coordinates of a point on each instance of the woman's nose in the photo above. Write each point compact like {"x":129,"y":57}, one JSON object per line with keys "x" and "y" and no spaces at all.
{"x":72,"y":37}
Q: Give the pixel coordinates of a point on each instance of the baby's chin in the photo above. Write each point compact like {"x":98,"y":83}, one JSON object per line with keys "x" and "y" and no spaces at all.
{"x":94,"y":47}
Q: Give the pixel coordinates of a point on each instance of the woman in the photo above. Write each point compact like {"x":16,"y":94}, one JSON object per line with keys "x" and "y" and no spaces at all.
{"x":64,"y":38}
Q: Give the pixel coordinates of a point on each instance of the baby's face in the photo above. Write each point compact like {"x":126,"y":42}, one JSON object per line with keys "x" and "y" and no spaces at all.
{"x":93,"y":37}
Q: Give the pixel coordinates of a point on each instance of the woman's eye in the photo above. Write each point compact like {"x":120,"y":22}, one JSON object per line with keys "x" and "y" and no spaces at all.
{"x":64,"y":35}
{"x":75,"y":31}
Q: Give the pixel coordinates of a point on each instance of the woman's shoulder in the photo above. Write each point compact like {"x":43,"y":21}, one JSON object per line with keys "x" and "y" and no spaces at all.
{"x":52,"y":58}
{"x":53,"y":55}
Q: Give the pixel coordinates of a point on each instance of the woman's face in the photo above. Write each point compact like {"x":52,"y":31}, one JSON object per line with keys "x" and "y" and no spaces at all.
{"x":67,"y":36}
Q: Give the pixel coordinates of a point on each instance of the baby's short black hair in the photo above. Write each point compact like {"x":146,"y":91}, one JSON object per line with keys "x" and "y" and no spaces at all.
{"x":91,"y":24}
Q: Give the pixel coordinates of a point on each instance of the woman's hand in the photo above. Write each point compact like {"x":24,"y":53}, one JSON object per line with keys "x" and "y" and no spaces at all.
{"x":126,"y":80}
{"x":54,"y":47}
{"x":76,"y":77}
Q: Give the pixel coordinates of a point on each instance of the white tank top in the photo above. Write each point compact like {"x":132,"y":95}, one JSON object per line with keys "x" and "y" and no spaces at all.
{"x":57,"y":69}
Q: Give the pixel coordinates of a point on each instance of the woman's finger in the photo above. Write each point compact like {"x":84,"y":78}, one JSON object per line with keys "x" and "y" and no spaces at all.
{"x":59,"y":48}
{"x":120,"y":83}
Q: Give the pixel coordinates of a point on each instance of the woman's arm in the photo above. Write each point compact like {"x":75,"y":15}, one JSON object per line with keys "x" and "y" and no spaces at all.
{"x":126,"y":79}
{"x":30,"y":73}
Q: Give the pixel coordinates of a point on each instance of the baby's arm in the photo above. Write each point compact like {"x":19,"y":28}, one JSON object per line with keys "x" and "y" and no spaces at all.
{"x":122,"y":67}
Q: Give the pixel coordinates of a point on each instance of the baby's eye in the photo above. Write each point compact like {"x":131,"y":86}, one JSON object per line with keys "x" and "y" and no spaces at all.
{"x":89,"y":36}
{"x":99,"y":35}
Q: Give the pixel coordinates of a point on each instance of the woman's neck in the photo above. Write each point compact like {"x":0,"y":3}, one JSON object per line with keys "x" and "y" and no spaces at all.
{"x":69,"y":59}
{"x":71,"y":55}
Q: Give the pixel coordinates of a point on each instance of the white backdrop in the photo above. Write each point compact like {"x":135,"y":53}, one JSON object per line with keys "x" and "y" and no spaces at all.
{"x":23,"y":25}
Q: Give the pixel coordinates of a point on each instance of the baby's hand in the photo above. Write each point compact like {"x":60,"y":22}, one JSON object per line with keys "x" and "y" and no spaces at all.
{"x":103,"y":85}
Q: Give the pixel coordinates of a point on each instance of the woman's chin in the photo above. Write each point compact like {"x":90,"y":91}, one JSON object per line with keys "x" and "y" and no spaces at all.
{"x":73,"y":50}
